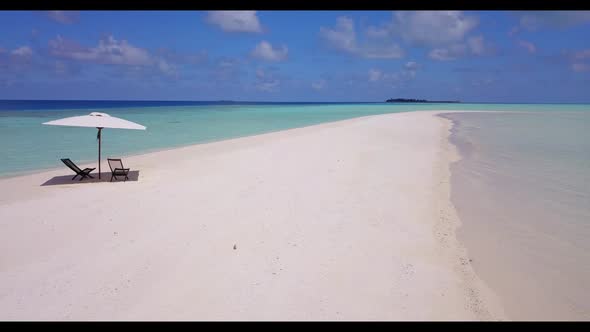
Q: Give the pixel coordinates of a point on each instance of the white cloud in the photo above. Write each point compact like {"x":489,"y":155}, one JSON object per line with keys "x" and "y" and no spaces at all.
{"x":580,"y":67}
{"x":530,"y":47}
{"x":410,"y":69}
{"x":227,"y":70}
{"x":228,"y":63}
{"x":444,"y":32}
{"x":448,"y":53}
{"x":167,"y":68}
{"x":476,"y":45}
{"x":405,"y":74}
{"x":377,"y":32}
{"x":579,"y":61}
{"x":23,"y":51}
{"x":21,"y":56}
{"x":265,"y":51}
{"x":374,"y":75}
{"x":318,"y":85}
{"x":60,"y":67}
{"x":170,"y":56}
{"x":535,"y":20}
{"x":63,"y":68}
{"x":266,"y":81}
{"x":411,"y":65}
{"x":584,"y":54}
{"x":343,"y":38}
{"x":63,"y":16}
{"x":433,"y":28}
{"x":111,"y":51}
{"x":382,"y":52}
{"x":483,"y":81}
{"x":108,"y":51}
{"x":235,"y":20}
{"x":513,"y":31}
{"x":268,"y":86}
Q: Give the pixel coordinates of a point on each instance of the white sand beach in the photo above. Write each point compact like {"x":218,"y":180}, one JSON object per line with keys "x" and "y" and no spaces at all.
{"x":349,"y":220}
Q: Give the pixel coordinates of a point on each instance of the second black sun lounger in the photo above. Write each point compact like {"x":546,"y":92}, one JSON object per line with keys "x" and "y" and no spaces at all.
{"x":81,"y":172}
{"x":117,"y":169}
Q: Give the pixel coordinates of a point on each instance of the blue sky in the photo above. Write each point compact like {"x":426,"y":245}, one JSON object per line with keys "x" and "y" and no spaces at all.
{"x":489,"y":56}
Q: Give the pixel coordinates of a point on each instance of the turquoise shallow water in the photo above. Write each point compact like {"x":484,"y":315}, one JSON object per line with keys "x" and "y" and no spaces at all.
{"x":522,"y":191}
{"x":26,"y":145}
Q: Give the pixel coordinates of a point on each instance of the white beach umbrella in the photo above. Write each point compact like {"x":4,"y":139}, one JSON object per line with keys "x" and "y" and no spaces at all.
{"x":97,"y":120}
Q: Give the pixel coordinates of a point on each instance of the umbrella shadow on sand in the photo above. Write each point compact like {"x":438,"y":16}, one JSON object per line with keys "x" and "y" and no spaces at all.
{"x":105,"y":177}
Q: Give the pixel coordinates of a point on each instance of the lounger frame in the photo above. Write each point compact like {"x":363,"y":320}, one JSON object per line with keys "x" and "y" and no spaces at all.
{"x":83,"y":173}
{"x":118,"y":171}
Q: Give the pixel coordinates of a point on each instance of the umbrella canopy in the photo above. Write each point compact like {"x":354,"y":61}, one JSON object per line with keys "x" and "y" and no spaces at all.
{"x":97,"y":120}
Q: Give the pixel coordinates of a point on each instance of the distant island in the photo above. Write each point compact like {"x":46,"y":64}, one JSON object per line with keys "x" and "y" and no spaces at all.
{"x":404,"y":100}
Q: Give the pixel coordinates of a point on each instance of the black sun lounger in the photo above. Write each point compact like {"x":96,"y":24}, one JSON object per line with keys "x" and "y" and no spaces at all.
{"x":117,"y":169}
{"x":81,"y":172}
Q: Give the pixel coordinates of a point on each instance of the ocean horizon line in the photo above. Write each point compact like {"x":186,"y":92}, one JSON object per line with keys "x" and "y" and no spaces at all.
{"x":286,"y":102}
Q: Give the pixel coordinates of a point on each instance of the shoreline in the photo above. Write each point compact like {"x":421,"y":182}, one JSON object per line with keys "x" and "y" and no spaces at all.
{"x":526,"y":227}
{"x":169,"y":148}
{"x":478,"y":302}
{"x":481,"y":298}
{"x":89,"y":163}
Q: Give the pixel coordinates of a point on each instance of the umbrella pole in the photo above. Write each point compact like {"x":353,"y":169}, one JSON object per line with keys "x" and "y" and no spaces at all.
{"x":99,"y":140}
